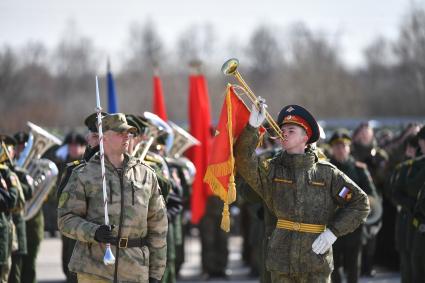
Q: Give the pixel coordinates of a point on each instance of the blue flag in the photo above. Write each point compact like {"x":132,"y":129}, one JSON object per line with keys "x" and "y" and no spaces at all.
{"x":112,"y":97}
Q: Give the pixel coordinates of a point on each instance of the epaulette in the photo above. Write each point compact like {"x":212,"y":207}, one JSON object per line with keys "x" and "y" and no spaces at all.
{"x":327,"y":163}
{"x":361,"y":165}
{"x":75,"y":163}
{"x":3,"y":166}
{"x":78,"y":167}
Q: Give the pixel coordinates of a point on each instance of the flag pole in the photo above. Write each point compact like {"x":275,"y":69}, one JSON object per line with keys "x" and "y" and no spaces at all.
{"x":108,"y":258}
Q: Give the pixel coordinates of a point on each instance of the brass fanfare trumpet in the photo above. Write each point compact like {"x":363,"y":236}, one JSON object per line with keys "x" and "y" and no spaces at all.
{"x":230,"y":67}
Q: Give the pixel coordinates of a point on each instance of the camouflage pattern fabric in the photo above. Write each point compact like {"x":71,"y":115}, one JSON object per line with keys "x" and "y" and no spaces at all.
{"x":81,"y":212}
{"x":300,"y":188}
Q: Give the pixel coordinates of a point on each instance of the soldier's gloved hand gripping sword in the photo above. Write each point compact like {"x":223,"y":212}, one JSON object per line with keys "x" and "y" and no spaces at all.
{"x":108,"y":258}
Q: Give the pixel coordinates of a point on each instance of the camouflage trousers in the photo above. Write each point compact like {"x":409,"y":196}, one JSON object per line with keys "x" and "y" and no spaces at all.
{"x":278,"y":277}
{"x":88,"y":278}
{"x":4,"y":271}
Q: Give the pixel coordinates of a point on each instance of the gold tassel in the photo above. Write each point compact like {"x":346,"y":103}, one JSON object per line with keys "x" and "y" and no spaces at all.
{"x":231,"y":193}
{"x":225,"y":218}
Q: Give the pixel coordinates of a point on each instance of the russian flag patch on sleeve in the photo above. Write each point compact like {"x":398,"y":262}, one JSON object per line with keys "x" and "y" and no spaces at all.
{"x":345,"y":193}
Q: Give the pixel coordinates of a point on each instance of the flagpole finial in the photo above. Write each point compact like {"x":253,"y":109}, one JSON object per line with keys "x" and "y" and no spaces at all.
{"x":195,"y":65}
{"x":108,"y":64}
{"x":155,"y":70}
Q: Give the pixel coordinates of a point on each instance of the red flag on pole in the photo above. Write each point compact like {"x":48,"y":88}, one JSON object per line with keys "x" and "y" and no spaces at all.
{"x":158,"y":99}
{"x":221,"y":165}
{"x":199,"y":127}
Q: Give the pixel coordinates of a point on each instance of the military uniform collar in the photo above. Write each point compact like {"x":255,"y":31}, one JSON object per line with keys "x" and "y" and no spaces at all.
{"x":127,"y":163}
{"x":305,"y":160}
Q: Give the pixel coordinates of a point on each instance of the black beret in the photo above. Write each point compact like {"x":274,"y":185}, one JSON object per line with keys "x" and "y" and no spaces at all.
{"x":91,"y":121}
{"x":21,"y":137}
{"x":340,"y":135}
{"x":8,"y":140}
{"x":74,"y":137}
{"x":421,"y":133}
{"x":138,"y":122}
{"x":292,"y":113}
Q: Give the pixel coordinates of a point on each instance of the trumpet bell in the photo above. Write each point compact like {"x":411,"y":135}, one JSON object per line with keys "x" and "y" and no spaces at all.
{"x":230,"y":66}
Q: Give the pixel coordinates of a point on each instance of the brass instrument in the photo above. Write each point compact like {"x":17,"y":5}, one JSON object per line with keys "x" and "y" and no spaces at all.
{"x":43,"y":171}
{"x":182,"y":141}
{"x":230,"y":67}
{"x":156,"y":128}
{"x":160,"y":128}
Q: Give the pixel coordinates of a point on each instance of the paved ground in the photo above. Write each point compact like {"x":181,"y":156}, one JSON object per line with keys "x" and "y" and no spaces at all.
{"x":49,"y":269}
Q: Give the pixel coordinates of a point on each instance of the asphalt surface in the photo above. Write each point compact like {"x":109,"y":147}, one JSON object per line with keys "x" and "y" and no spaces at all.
{"x":49,"y":267}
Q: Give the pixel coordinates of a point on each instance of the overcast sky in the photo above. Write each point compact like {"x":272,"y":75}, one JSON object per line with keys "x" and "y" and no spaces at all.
{"x":354,"y":23}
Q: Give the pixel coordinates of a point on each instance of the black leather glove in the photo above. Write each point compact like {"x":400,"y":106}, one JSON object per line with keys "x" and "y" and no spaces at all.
{"x":153,"y":280}
{"x":103,"y":234}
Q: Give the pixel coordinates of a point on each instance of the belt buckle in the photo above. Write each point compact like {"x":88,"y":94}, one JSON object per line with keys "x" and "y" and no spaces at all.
{"x":296,"y":226}
{"x":122,"y":244}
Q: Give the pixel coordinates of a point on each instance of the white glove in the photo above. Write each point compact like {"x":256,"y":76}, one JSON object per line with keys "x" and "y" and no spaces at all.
{"x":323,"y":242}
{"x":258,"y":116}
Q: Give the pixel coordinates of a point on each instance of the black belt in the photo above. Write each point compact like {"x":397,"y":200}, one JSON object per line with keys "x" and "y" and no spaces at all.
{"x":123,"y":243}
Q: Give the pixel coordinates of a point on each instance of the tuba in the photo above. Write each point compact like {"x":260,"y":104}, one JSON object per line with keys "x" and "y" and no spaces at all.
{"x":182,"y":141}
{"x":43,"y":171}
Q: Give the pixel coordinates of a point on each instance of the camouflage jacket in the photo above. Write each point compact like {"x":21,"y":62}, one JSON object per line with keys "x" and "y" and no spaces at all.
{"x":81,"y":212}
{"x":9,"y":196}
{"x":300,"y":188}
{"x":25,"y":194}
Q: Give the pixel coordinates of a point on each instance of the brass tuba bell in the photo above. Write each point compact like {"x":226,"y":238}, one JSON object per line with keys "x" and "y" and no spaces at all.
{"x":43,"y":171}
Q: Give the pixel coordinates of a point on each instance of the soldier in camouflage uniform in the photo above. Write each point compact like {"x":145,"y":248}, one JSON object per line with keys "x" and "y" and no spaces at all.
{"x":168,"y":183}
{"x":135,"y":207}
{"x":364,"y":148}
{"x":25,"y":193}
{"x":76,"y":144}
{"x":9,"y":195}
{"x":313,"y":201}
{"x":347,"y":249}
{"x":405,"y":205}
{"x":34,"y":227}
{"x":91,"y":149}
{"x":412,"y":185}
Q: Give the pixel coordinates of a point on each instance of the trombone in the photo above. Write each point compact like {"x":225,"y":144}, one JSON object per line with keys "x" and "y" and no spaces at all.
{"x":230,"y":67}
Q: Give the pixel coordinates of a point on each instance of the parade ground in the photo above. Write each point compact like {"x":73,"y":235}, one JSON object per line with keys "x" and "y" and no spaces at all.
{"x":49,"y":268}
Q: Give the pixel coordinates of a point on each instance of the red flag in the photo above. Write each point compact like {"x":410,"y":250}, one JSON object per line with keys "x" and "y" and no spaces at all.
{"x":199,"y":126}
{"x":158,"y":99}
{"x":220,"y":172}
